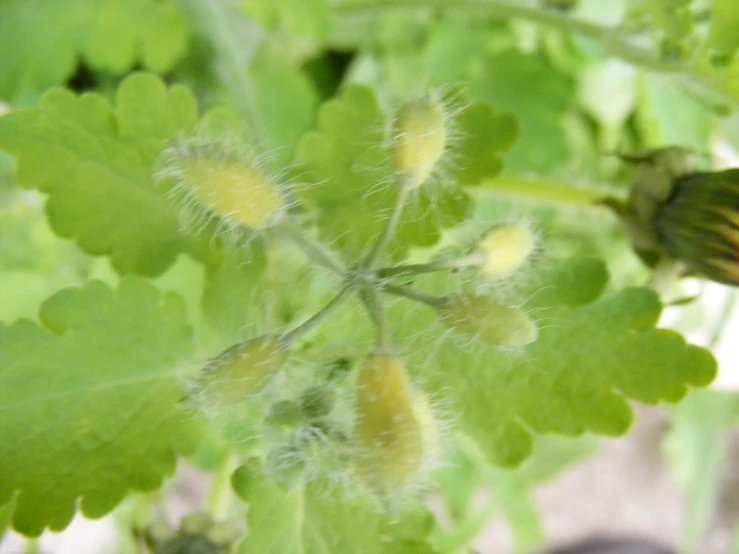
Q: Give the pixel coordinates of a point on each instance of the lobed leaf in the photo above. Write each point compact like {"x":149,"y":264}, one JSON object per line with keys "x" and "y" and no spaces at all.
{"x":593,"y":355}
{"x":96,"y":165}
{"x":539,"y":96}
{"x":88,"y":402}
{"x":44,"y":41}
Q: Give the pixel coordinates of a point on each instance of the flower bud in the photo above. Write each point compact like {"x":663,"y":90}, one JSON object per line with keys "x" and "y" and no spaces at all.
{"x":420,"y":139}
{"x":488,"y":320}
{"x":222,"y":182}
{"x":699,"y":224}
{"x":242,"y":370}
{"x":387,"y":432}
{"x":506,"y":248}
{"x":678,"y":214}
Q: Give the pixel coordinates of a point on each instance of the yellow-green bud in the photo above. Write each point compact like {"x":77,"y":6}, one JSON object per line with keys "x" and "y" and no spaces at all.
{"x":222,"y":180}
{"x":388,"y":433}
{"x":236,"y":190}
{"x":243,"y":370}
{"x":420,"y":139}
{"x":506,"y":248}
{"x":488,"y":320}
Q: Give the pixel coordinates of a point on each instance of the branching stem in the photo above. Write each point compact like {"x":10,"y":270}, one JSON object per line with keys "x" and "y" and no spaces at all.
{"x":376,"y":311}
{"x":474,"y":259}
{"x":319,"y":317}
{"x":390,"y":226}
{"x":397,"y":290}
{"x":316,"y":251}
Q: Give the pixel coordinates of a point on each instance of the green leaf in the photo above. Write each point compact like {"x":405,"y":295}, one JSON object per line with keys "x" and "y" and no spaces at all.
{"x":88,"y":402}
{"x":96,"y":165}
{"x":311,"y":18}
{"x":667,"y":115}
{"x":317,"y":521}
{"x":723,"y":39}
{"x":593,"y":354}
{"x":43,"y":41}
{"x":287,"y":101}
{"x":6,"y":514}
{"x":538,"y":96}
{"x":34,"y":263}
{"x":484,"y":135}
{"x":349,"y":160}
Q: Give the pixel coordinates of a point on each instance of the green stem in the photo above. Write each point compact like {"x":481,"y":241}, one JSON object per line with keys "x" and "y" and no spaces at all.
{"x":390,"y":225}
{"x":545,"y":192}
{"x":475,"y":259}
{"x":376,"y":311}
{"x":311,"y":247}
{"x":319,"y":317}
{"x":219,"y":495}
{"x":397,"y":290}
{"x":217,"y":20}
{"x":614,"y":40}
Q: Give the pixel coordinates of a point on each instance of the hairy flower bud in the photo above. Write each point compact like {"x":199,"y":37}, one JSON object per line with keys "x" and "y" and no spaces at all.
{"x":242,"y":370}
{"x":222,"y":181}
{"x":488,"y":320}
{"x":420,"y":139}
{"x":506,"y":248}
{"x":387,"y":432}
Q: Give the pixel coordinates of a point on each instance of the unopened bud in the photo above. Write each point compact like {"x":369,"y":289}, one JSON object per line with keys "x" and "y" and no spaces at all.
{"x":488,"y":320}
{"x":420,"y":139}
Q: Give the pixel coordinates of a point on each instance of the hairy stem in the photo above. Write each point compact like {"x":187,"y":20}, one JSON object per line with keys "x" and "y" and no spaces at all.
{"x":316,"y":251}
{"x":376,"y":311}
{"x":397,"y":290}
{"x":319,"y":317}
{"x":389,"y":229}
{"x":544,"y":192}
{"x":475,"y":259}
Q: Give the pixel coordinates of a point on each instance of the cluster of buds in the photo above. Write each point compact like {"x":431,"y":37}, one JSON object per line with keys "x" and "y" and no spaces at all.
{"x":379,"y":429}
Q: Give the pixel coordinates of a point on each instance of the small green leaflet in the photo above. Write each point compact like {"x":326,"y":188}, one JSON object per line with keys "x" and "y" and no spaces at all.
{"x":96,"y":162}
{"x":593,"y":354}
{"x":316,"y":520}
{"x":88,"y":401}
{"x":348,"y":163}
{"x":44,"y":41}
